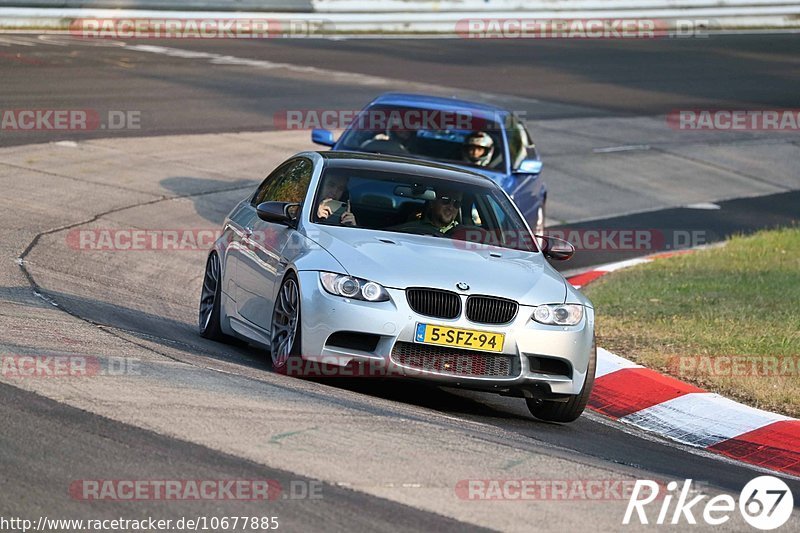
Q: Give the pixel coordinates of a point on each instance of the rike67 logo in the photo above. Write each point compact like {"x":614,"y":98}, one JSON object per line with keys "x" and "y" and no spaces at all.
{"x":765,"y":503}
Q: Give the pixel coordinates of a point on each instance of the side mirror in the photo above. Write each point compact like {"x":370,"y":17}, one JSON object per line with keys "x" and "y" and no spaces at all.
{"x":555,"y":248}
{"x":323,"y":137}
{"x":278,"y":212}
{"x":529,"y":166}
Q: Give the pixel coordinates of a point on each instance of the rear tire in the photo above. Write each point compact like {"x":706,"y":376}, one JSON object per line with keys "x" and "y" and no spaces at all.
{"x":570,"y":410}
{"x":285,"y":338}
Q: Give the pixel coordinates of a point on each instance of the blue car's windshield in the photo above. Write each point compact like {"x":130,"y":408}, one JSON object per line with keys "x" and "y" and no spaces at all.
{"x":405,"y":203}
{"x":428,"y":134}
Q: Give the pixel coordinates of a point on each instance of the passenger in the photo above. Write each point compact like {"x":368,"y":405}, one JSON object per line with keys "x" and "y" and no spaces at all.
{"x":440,"y":215}
{"x":478,"y":149}
{"x":335,"y":205}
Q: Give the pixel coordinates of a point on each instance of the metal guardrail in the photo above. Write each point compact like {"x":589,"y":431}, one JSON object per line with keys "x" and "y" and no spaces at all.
{"x":296,"y":6}
{"x":409,"y":16}
{"x":530,"y":6}
{"x":398,"y":6}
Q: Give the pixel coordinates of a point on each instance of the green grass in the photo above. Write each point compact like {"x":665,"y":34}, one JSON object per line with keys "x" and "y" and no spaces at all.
{"x":742,"y":299}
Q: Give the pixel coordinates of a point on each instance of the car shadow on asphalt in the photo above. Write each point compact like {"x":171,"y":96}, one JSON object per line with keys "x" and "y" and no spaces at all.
{"x":212,"y":199}
{"x":427,"y":395}
{"x":148,"y":327}
{"x":153,"y":329}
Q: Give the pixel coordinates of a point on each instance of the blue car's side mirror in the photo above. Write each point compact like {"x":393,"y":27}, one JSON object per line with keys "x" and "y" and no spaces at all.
{"x":323,"y":137}
{"x":530,"y":166}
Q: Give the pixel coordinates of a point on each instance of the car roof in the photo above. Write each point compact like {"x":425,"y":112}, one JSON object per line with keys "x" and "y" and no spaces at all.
{"x":441,"y":104}
{"x":402,"y":165}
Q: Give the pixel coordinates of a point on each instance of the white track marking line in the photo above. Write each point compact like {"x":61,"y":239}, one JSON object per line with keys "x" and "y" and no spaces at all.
{"x":704,"y":205}
{"x":18,"y":41}
{"x":327,"y":74}
{"x":649,"y":436}
{"x":622,"y":264}
{"x":629,"y":148}
{"x":608,"y":362}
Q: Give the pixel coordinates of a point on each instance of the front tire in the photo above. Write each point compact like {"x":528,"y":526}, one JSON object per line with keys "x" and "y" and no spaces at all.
{"x":285,"y":338}
{"x":210,"y":301}
{"x":570,"y":410}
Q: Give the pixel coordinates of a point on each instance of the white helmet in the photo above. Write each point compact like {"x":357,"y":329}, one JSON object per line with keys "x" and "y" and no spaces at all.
{"x":482,"y":140}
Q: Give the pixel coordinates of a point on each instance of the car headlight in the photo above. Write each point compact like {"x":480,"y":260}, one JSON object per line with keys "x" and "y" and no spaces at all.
{"x":558,"y":314}
{"x":355,"y":288}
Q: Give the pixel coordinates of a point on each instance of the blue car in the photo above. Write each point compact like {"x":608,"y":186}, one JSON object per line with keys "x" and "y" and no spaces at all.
{"x":479,"y":137}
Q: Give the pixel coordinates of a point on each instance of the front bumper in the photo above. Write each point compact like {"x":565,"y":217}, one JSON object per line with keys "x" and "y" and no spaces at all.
{"x":394,"y":321}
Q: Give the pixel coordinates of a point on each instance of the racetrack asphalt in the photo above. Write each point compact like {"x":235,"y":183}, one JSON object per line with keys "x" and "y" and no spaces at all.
{"x":217,"y":408}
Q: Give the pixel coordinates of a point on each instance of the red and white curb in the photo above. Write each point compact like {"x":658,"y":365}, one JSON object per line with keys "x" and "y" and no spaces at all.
{"x":638,"y":396}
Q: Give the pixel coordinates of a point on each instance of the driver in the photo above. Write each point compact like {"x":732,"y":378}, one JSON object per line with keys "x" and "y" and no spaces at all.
{"x":402,"y":137}
{"x":478,"y":149}
{"x":439,"y":214}
{"x":335,"y":205}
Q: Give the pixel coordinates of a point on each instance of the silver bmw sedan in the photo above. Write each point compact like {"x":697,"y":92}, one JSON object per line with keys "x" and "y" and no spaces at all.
{"x":354,"y":264}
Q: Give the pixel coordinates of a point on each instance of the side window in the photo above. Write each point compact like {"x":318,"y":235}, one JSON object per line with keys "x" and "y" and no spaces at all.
{"x":289,"y":183}
{"x":499,"y":214}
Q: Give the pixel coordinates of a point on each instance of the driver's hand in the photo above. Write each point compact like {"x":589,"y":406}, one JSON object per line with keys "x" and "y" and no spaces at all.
{"x":324,"y":210}
{"x":348,"y":218}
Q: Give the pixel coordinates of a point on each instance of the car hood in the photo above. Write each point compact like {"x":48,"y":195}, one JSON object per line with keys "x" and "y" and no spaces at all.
{"x":399,"y":261}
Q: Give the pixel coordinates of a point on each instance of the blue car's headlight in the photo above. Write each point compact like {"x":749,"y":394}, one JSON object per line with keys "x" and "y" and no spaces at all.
{"x":355,"y":288}
{"x":558,"y":314}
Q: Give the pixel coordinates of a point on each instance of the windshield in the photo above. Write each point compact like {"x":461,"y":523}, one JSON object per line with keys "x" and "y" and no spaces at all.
{"x":414,"y":204}
{"x":450,"y":137}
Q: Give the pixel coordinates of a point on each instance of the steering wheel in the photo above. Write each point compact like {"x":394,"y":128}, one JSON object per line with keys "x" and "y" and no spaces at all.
{"x":384,"y":146}
{"x":421,"y":230}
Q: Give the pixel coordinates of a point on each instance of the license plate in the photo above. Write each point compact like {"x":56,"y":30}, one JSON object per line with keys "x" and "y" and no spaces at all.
{"x":460,"y":338}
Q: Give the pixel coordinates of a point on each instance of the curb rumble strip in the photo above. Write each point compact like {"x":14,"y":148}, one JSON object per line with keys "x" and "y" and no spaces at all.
{"x":641,"y":397}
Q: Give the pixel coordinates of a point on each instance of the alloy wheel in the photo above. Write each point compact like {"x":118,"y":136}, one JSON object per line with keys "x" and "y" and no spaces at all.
{"x":284,"y":323}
